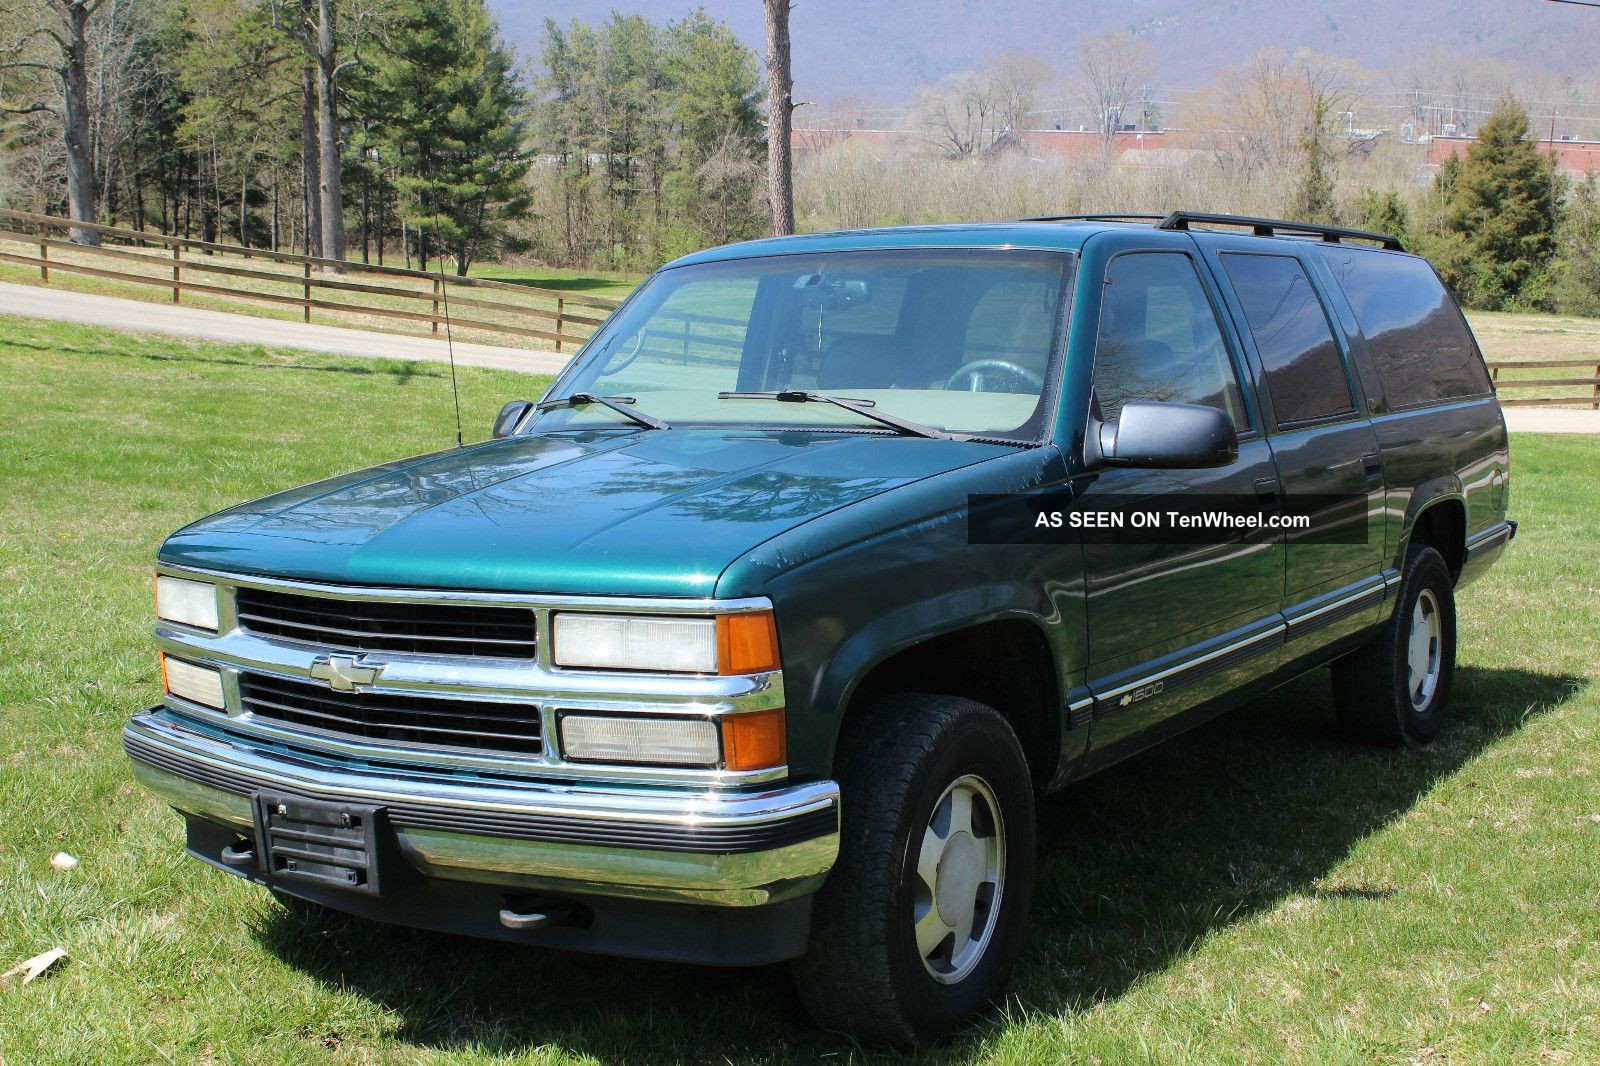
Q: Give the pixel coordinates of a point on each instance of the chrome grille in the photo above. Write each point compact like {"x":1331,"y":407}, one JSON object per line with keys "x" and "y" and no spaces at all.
{"x":385,"y":625}
{"x":478,"y":725}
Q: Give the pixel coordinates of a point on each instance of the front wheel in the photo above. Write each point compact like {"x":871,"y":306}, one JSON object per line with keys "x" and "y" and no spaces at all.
{"x":921,"y":921}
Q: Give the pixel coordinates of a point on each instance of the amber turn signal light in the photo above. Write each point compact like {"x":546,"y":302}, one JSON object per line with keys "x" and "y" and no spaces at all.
{"x":746,"y":643}
{"x":754,"y":741}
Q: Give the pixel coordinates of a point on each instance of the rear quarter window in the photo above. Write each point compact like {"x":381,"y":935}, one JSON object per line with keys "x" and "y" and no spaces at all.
{"x":1418,"y":340}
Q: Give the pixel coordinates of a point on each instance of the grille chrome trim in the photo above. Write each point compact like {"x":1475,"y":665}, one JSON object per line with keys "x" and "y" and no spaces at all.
{"x":365,"y":625}
{"x":538,"y":682}
{"x":476,"y":725}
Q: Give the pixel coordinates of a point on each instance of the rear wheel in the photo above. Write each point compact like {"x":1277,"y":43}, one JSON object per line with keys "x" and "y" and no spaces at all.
{"x":921,"y":920}
{"x":1395,"y":691}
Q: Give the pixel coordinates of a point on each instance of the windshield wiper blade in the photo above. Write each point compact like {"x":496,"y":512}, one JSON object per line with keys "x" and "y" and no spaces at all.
{"x":857,"y":407}
{"x":615,"y":403}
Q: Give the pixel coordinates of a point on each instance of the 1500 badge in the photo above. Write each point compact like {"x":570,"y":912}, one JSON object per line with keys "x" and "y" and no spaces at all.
{"x":1143,"y":692}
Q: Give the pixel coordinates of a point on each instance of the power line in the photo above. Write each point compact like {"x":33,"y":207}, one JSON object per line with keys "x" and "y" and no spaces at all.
{"x":1578,"y":3}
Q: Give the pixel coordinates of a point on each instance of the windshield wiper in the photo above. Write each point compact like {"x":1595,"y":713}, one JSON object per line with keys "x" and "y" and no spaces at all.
{"x":615,"y":403}
{"x":857,"y":407}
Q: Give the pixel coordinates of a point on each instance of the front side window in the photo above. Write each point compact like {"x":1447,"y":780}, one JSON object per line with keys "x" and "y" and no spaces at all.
{"x":1159,"y":339}
{"x":1304,"y":374}
{"x":963,"y":341}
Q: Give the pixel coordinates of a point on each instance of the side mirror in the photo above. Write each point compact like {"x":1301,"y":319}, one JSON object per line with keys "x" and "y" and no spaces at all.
{"x":1169,"y":436}
{"x":510,"y":417}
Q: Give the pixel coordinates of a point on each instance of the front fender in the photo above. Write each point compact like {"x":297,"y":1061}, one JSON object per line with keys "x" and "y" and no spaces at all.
{"x":868,"y":581}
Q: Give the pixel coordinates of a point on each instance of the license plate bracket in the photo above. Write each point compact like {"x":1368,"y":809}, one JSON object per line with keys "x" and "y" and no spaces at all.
{"x":329,"y":844}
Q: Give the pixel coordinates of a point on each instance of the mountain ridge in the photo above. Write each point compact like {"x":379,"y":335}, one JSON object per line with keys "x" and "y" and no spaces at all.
{"x":883,"y":51}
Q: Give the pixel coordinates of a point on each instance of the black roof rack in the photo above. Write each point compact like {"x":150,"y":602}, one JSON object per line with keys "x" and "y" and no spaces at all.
{"x":1261,"y":227}
{"x":1111,"y":216}
{"x":1272,"y":227}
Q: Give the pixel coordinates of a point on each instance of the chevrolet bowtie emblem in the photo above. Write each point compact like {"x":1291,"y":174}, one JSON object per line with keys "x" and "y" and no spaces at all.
{"x":343,"y":673}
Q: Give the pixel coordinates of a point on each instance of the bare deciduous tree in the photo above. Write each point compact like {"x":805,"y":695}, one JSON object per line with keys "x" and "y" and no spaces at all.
{"x":975,"y":111}
{"x":310,"y":167}
{"x":958,"y":115}
{"x":1015,"y":80}
{"x":1110,"y":72}
{"x":315,"y":26}
{"x":1277,"y":120}
{"x":59,"y":45}
{"x":780,"y":117}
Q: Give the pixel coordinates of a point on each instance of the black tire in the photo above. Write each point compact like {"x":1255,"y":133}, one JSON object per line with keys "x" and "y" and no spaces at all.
{"x":1372,"y":691}
{"x":864,"y":974}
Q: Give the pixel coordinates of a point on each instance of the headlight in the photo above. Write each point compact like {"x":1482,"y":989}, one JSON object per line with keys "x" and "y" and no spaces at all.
{"x":191,"y":603}
{"x":752,"y":741}
{"x":727,"y":644}
{"x":636,"y":642}
{"x":198,"y":684}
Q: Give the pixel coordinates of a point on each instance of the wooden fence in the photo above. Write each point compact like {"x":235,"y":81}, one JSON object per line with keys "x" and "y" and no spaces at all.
{"x":1591,"y":382}
{"x":172,"y":263}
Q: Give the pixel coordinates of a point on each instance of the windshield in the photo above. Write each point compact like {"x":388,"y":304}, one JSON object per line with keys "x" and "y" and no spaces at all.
{"x":962,"y":341}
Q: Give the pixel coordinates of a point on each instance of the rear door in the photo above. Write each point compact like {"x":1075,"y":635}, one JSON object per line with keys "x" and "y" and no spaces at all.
{"x":1321,"y":439}
{"x":1169,"y":626}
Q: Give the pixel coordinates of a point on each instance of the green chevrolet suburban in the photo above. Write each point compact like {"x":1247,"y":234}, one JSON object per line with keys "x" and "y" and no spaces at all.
{"x":700,"y":657}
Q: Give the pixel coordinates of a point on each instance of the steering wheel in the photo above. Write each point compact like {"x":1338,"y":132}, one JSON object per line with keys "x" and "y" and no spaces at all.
{"x":627,"y":356}
{"x":973,"y":371}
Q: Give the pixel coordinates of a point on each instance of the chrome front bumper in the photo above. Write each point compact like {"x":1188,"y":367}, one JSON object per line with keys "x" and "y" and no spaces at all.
{"x":719,"y":847}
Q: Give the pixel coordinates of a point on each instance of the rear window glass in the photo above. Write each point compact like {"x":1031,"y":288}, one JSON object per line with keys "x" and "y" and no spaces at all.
{"x":1305,"y":375}
{"x":1420,"y":344}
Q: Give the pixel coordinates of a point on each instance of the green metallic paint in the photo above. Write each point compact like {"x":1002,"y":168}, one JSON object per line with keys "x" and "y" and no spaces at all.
{"x":600,"y":512}
{"x":1043,"y":236}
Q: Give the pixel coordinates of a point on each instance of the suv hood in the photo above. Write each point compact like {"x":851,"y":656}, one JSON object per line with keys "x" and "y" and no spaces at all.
{"x":603,"y":512}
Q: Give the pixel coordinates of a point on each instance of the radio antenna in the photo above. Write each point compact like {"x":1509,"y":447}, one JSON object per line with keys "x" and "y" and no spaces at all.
{"x":450,"y":344}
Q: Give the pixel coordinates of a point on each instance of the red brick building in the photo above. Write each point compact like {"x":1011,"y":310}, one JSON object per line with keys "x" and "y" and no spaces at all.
{"x":1572,"y":157}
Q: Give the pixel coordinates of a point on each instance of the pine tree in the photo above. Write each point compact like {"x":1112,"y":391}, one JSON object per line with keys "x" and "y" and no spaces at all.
{"x":1505,"y":208}
{"x":657,"y":134}
{"x":1383,"y":212}
{"x":713,"y":188}
{"x":1448,"y":179}
{"x":1577,"y":265}
{"x":455,"y":127}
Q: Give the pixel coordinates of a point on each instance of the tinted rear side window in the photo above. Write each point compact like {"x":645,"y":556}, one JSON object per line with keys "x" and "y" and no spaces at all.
{"x":1419,"y":342}
{"x":1305,"y":376}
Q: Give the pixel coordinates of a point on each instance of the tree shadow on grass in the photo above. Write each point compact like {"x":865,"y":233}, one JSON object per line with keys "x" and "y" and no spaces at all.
{"x":1137,"y":865}
{"x":562,"y":283}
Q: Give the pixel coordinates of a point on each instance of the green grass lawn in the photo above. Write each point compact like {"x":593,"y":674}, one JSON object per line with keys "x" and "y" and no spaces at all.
{"x":1256,"y":891}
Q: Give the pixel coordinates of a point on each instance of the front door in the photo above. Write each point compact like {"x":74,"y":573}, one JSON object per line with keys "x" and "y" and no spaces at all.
{"x":1169,"y":625}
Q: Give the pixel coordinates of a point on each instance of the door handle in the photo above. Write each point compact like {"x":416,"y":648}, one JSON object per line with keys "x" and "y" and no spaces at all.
{"x":1267,"y":492}
{"x":1372,"y":465}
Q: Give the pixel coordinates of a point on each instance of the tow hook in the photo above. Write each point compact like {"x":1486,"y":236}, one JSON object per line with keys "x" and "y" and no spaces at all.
{"x":239,"y":854}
